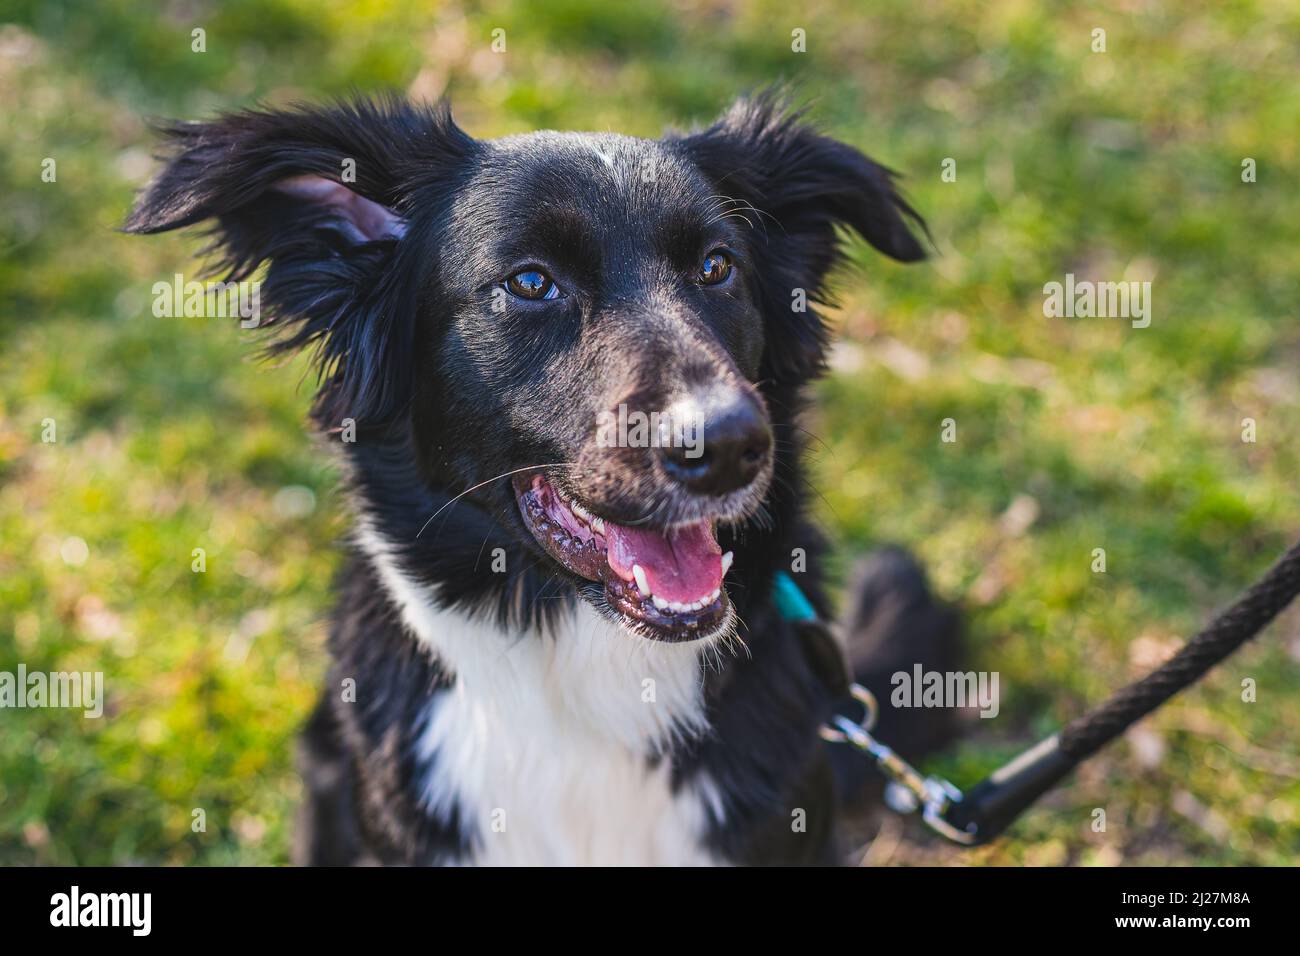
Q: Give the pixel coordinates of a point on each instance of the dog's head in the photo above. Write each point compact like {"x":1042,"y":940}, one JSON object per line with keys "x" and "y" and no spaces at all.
{"x":583,"y":328}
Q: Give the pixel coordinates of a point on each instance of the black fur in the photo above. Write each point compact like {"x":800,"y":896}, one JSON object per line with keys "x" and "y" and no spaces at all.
{"x":447,"y":394}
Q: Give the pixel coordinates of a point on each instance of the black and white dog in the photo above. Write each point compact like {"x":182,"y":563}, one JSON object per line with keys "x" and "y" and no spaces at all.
{"x":565,"y":649}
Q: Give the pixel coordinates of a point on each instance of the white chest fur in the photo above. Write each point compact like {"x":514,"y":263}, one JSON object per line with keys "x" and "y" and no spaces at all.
{"x":542,"y":744}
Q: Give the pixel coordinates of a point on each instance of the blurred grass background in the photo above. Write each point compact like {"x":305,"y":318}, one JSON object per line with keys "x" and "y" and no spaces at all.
{"x":1072,"y":434}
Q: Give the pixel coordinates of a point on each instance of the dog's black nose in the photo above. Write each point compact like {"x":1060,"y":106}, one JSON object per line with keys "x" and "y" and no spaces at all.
{"x":727,"y":446}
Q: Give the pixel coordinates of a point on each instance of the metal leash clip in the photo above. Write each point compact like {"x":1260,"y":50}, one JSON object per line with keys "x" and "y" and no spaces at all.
{"x":910,"y":790}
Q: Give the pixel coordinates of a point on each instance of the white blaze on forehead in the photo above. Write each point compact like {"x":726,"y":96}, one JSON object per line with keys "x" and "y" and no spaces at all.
{"x":607,"y":155}
{"x":623,"y":161}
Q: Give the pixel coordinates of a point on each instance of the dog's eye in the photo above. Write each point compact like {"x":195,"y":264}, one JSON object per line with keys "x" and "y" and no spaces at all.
{"x":532,"y":284}
{"x":715,"y":268}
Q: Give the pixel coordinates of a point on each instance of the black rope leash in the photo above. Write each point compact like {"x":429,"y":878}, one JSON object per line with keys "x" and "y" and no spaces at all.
{"x":990,"y":807}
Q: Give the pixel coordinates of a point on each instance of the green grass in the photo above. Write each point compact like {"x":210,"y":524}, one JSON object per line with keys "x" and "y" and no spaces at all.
{"x":1123,"y":164}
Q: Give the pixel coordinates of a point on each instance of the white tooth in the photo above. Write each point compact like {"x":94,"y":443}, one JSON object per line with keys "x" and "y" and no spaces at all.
{"x":580,"y":511}
{"x":697,"y":605}
{"x":726,"y":562}
{"x":660,"y":603}
{"x":642,"y":585}
{"x":717,"y":593}
{"x":598,"y":524}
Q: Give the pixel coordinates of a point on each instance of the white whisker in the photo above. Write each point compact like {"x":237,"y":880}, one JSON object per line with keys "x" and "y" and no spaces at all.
{"x":507,"y":474}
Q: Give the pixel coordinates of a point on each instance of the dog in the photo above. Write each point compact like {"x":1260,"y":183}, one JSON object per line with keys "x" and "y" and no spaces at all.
{"x":551,"y":647}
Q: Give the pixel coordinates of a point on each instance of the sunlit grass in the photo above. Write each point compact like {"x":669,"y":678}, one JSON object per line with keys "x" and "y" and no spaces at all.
{"x":1072,"y":435}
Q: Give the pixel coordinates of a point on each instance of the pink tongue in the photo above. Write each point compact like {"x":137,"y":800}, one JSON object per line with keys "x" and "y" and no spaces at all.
{"x":682,"y":567}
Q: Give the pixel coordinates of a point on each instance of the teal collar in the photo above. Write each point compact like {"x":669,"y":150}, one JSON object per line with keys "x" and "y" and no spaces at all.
{"x":791,"y":602}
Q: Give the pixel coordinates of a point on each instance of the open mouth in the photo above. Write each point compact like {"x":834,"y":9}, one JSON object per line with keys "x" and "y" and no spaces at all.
{"x":665,"y":583}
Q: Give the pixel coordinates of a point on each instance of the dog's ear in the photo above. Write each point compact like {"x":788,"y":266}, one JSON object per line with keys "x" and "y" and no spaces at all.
{"x":801,"y":187}
{"x":325,"y":195}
